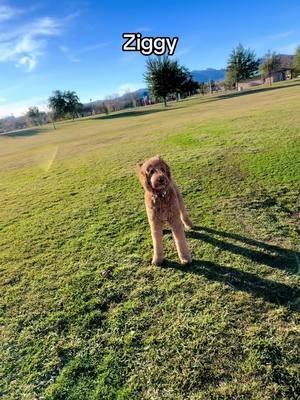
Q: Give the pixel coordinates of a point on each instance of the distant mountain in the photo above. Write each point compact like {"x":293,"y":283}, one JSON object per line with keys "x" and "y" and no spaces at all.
{"x":205,"y":75}
{"x":142,"y":92}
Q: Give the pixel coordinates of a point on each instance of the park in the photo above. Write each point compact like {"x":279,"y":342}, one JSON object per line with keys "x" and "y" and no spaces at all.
{"x":86,"y":316}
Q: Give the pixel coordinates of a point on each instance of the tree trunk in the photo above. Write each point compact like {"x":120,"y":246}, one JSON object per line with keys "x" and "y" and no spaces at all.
{"x":165,"y":101}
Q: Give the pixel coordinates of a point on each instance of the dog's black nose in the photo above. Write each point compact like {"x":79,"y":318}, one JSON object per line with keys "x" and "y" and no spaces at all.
{"x":161,"y":179}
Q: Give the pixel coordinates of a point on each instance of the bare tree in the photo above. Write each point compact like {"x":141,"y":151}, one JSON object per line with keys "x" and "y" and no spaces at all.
{"x":270,"y":64}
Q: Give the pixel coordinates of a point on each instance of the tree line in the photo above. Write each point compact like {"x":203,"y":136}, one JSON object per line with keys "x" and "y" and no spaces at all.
{"x":166,"y":79}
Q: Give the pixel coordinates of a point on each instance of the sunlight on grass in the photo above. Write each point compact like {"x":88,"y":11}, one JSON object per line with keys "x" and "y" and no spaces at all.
{"x":85,"y":315}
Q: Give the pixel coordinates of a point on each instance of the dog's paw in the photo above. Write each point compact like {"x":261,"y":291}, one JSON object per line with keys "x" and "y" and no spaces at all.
{"x":187,"y":224}
{"x":157,"y":261}
{"x":186,"y":260}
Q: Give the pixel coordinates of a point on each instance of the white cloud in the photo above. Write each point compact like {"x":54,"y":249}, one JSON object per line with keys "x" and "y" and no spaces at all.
{"x":93,"y":47}
{"x":276,"y":41}
{"x":7,"y":12}
{"x":73,"y":55}
{"x":25,"y":43}
{"x":128,"y":87}
{"x":21,"y":107}
{"x":28,"y":61}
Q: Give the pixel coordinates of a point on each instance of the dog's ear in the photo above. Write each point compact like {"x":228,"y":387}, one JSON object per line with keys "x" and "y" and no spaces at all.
{"x":140,"y":163}
{"x":139,"y":167}
{"x":143,"y":176}
{"x":140,"y":171}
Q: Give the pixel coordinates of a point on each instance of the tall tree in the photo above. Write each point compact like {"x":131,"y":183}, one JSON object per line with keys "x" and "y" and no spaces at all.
{"x":297,"y":60}
{"x":186,"y":84}
{"x":34,"y":116}
{"x":202,"y":88}
{"x":57,"y":104}
{"x":165,"y":76}
{"x":64,"y":103}
{"x":162,"y":77}
{"x":241,"y":64}
{"x":270,"y":64}
{"x":73,"y":105}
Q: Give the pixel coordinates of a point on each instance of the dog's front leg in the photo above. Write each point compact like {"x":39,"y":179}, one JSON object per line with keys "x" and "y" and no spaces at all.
{"x":180,"y":241}
{"x":157,"y":238}
{"x":183,"y":213}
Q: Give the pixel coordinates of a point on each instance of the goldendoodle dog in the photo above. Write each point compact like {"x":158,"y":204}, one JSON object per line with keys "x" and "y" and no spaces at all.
{"x":164,"y":204}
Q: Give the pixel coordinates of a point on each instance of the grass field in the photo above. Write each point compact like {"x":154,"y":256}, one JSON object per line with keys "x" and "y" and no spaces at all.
{"x":85,"y":316}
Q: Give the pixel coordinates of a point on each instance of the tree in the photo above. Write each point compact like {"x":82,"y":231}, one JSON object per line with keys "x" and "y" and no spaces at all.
{"x":202,"y":88}
{"x":297,"y":60}
{"x":180,"y":78}
{"x":162,"y":77}
{"x":72,"y":103}
{"x":57,"y":104}
{"x":64,"y":103}
{"x":187,"y":86}
{"x":270,"y":64}
{"x":212,"y":86}
{"x":165,"y":77}
{"x":241,"y":64}
{"x":230,"y":79}
{"x":35,"y":117}
{"x":130,"y":99}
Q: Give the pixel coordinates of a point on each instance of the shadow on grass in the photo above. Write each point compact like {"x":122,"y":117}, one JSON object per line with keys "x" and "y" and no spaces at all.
{"x":252,"y":91}
{"x":23,"y":133}
{"x":136,"y":113}
{"x":274,"y":292}
{"x":280,"y":258}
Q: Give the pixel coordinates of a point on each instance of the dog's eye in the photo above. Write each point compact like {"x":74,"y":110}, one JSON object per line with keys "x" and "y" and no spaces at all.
{"x":163,"y":170}
{"x":151,"y":171}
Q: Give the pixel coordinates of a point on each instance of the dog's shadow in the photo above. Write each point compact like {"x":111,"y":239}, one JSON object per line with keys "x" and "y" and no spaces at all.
{"x":270,"y":255}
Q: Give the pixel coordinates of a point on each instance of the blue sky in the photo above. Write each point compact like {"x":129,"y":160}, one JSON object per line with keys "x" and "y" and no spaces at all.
{"x":47,"y":45}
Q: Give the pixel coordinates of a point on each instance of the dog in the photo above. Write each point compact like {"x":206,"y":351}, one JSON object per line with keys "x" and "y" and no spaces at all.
{"x":164,"y":204}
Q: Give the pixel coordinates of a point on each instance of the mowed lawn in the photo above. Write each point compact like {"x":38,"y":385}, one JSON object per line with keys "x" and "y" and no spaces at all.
{"x":84,"y":314}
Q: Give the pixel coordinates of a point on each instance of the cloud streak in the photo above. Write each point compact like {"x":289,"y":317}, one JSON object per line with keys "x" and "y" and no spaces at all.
{"x":276,"y":40}
{"x":127,"y":88}
{"x":281,"y":35}
{"x":7,"y":12}
{"x":20,"y":107}
{"x":25,"y":44}
{"x":73,"y":56}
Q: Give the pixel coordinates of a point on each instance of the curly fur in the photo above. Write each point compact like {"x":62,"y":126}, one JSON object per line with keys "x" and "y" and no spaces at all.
{"x":164,"y":204}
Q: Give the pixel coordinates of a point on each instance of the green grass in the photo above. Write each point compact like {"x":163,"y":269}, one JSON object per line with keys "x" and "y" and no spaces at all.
{"x":85,"y":316}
